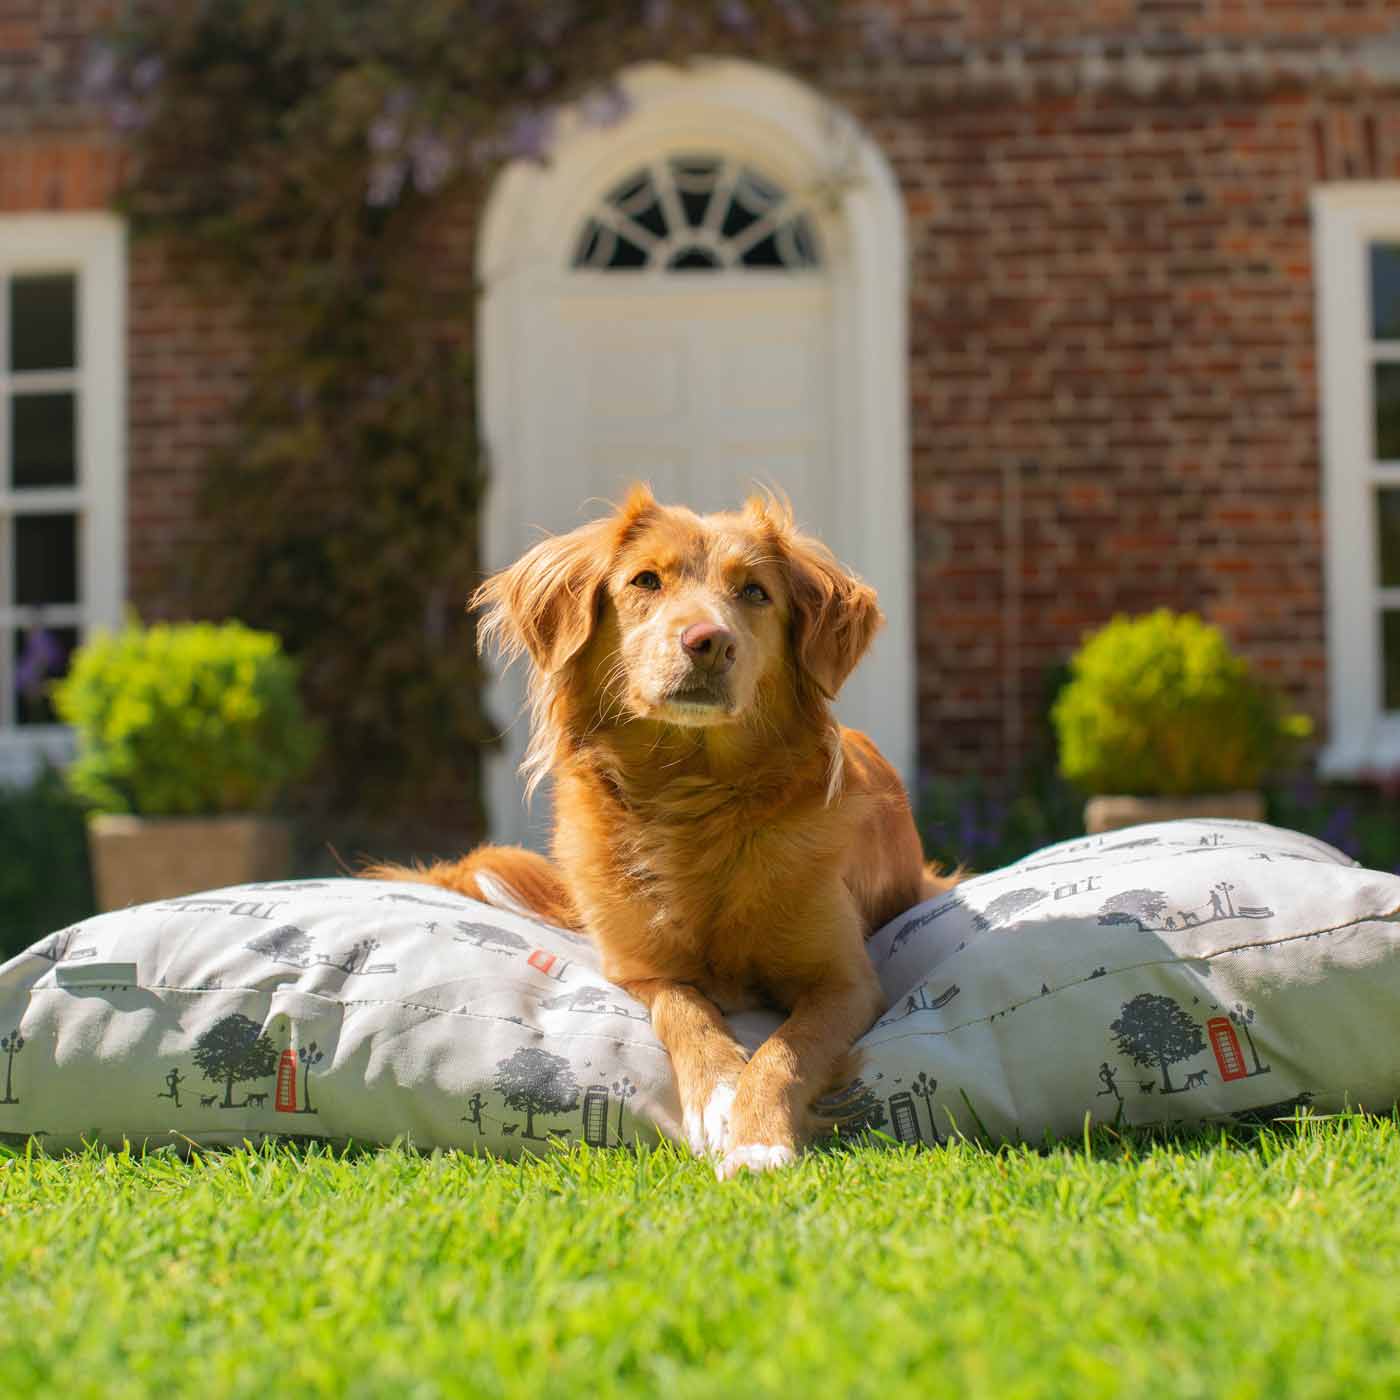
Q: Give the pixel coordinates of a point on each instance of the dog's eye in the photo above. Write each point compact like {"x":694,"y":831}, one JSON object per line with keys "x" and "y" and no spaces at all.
{"x":754,"y":593}
{"x":647,"y":579}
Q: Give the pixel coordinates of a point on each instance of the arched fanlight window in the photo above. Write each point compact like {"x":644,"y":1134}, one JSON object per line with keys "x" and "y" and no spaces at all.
{"x":697,"y":213}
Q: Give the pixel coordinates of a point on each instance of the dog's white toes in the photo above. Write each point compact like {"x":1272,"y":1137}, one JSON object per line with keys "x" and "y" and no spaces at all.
{"x":756,"y":1157}
{"x":707,"y":1128}
{"x":717,"y":1118}
{"x":694,"y":1126}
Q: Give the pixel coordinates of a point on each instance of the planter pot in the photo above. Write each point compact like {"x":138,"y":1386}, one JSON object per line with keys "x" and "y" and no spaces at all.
{"x":139,"y":859}
{"x":1113,"y":813}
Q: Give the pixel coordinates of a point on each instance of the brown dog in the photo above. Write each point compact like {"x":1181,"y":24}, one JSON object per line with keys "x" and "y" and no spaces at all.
{"x":721,"y":837}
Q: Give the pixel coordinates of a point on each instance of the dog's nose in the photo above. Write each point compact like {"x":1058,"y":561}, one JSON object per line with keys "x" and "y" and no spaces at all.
{"x":709,"y":646}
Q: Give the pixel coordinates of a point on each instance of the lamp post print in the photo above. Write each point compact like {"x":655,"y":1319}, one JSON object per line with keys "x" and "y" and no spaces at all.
{"x":1243,"y":1017}
{"x":10,"y":1046}
{"x":310,"y":1057}
{"x":624,"y":1089}
{"x":925,"y":1088}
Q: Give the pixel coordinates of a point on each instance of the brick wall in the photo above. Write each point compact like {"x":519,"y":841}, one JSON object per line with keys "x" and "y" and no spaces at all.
{"x":1113,"y":380}
{"x":1113,"y":347}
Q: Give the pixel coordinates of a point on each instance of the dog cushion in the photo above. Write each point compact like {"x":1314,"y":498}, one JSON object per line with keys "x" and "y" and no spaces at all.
{"x":1167,"y":973}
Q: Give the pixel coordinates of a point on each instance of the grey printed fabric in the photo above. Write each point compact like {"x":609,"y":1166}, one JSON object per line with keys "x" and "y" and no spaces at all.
{"x":1168,"y":973}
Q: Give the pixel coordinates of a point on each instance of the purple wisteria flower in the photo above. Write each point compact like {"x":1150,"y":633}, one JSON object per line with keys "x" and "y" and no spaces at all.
{"x":604,"y":106}
{"x":432,"y":160}
{"x":100,"y":69}
{"x":530,"y":134}
{"x":146,"y":74}
{"x":386,"y":182}
{"x":735,"y":14}
{"x":42,"y":657}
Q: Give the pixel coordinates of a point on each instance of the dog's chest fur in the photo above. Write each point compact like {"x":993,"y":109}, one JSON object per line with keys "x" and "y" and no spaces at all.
{"x":708,"y":883}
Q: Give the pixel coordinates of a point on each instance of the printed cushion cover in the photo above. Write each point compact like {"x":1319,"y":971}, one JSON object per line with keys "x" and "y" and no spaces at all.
{"x":1171,"y":972}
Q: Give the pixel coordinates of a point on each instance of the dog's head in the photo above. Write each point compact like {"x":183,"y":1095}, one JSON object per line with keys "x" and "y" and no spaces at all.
{"x":683,"y":619}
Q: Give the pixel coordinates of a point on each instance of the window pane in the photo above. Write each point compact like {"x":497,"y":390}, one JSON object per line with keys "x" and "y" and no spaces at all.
{"x":1390,"y":646}
{"x":43,"y":440}
{"x":43,"y":322}
{"x":693,"y":259}
{"x":1385,"y":291}
{"x":46,"y":559}
{"x":41,"y":657}
{"x":1387,"y":383}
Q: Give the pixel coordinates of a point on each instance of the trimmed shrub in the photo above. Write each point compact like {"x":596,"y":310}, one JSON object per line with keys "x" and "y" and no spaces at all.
{"x":1159,"y":705}
{"x":184,"y":719}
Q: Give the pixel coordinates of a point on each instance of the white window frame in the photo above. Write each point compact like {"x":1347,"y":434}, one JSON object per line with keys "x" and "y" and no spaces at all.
{"x":93,"y":247}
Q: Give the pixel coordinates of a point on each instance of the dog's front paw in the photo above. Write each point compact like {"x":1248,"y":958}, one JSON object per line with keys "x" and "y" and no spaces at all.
{"x":707,"y":1124}
{"x":755,"y":1157}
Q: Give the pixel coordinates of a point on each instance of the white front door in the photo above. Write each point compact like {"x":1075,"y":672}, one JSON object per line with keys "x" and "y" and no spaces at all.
{"x":670,"y":302}
{"x":707,"y":391}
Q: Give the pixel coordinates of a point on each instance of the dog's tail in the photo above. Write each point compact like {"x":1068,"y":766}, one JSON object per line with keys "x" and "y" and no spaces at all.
{"x":510,"y":877}
{"x":937,"y":880}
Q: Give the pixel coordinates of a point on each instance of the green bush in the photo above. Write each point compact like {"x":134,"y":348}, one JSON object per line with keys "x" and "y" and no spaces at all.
{"x":191,"y":718}
{"x":1160,"y":705}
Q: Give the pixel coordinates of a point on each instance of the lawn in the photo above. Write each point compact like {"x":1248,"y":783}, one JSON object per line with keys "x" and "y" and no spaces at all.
{"x":1264,"y":1263}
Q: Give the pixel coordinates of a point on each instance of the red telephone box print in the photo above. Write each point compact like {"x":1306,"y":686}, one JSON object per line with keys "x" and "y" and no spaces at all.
{"x":540,"y":959}
{"x":287,"y":1082}
{"x":1226,"y":1045}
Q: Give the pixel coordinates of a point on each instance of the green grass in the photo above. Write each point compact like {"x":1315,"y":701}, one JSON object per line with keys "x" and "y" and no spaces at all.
{"x":1264,"y":1264}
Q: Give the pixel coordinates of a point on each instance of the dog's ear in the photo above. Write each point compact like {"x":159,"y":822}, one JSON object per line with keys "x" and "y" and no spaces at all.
{"x":546,"y":603}
{"x":834,"y":615}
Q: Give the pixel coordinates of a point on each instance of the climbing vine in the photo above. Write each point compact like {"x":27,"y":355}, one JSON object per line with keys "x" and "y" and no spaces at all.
{"x":313,"y":151}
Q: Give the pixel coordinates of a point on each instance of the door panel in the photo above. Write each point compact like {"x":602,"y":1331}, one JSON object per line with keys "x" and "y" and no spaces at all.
{"x":706,"y":394}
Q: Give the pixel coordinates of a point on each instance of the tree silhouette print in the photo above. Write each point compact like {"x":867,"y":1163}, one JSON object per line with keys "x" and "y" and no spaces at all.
{"x":10,"y":1046}
{"x":925,"y":1088}
{"x":1141,"y":907}
{"x":1243,"y":1017}
{"x":235,"y":1050}
{"x":533,"y":1081}
{"x":1155,"y":1030}
{"x":484,"y":936}
{"x":310,"y":1057}
{"x":287,"y":944}
{"x":624,"y":1089}
{"x":909,"y":929}
{"x":1005,"y":907}
{"x":855,"y":1109}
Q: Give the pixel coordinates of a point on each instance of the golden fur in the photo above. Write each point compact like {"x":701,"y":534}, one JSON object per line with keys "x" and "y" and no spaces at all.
{"x":721,"y":837}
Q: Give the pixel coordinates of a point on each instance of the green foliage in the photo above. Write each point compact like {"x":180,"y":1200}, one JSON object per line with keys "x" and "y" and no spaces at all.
{"x":45,"y":883}
{"x":332,"y":156}
{"x":1362,"y":819}
{"x":184,"y":719}
{"x":1233,"y":1262}
{"x":964,"y":822}
{"x":1158,"y":704}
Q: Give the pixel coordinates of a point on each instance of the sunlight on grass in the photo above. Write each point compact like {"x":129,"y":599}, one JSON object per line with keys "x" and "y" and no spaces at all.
{"x":1255,"y":1264}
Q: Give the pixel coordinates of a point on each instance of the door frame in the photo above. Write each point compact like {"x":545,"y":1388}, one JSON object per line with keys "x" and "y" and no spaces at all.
{"x":817,"y":151}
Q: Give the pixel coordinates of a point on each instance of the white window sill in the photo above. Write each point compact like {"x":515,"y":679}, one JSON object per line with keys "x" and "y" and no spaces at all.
{"x":23,"y":752}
